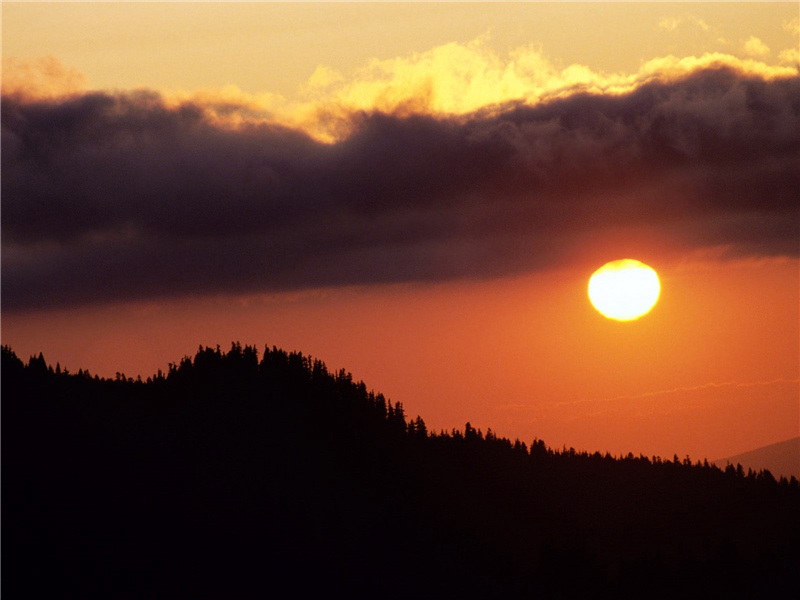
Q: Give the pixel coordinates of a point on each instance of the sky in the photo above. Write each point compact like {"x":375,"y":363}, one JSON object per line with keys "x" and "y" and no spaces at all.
{"x":418,"y":193}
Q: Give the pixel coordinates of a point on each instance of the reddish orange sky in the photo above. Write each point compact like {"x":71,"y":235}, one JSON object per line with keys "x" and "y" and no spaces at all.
{"x":419,"y":194}
{"x":711,"y":371}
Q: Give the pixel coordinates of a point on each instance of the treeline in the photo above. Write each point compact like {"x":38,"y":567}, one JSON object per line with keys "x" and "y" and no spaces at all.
{"x":235,"y":474}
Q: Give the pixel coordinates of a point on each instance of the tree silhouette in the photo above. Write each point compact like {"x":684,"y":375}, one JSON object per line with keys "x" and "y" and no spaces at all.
{"x":238,"y":475}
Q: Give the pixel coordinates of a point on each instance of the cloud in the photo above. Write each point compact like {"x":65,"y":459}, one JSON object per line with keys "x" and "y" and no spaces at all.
{"x":322,"y":77}
{"x":790,"y":56}
{"x":458,"y":79}
{"x":453,"y":79}
{"x":658,"y":394}
{"x":672,"y":23}
{"x":43,"y":77}
{"x":137,"y":195}
{"x":792,"y":26}
{"x":448,"y":80}
{"x":755,"y":47}
{"x":669,"y":23}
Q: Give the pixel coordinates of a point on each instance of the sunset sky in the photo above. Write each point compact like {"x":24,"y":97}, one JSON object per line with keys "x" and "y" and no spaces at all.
{"x":419,"y":193}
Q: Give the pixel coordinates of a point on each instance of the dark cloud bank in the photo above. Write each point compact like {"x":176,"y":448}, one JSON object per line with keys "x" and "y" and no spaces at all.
{"x":110,"y":197}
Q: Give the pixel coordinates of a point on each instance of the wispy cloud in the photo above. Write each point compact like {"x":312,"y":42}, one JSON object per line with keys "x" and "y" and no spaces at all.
{"x":42,"y":77}
{"x":656,"y":394}
{"x":755,"y":47}
{"x":673,"y":23}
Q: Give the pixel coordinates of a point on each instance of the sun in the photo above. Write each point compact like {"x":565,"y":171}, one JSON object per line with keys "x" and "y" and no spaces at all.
{"x":624,"y":289}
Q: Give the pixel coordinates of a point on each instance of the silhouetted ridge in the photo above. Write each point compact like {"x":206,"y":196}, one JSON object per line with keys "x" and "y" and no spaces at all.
{"x":235,"y":475}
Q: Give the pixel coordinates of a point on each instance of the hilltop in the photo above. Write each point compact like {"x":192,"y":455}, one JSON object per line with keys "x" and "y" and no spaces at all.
{"x":242,"y":474}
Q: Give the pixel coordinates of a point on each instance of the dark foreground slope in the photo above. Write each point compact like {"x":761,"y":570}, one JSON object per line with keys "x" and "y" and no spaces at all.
{"x":235,"y":476}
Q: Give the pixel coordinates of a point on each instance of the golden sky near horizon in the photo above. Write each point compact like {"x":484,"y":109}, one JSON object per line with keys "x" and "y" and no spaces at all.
{"x":712,"y":371}
{"x":276,"y":47}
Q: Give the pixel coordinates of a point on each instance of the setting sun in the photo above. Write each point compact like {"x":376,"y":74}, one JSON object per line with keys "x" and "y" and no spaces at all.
{"x":624,"y":290}
{"x":294,"y":299}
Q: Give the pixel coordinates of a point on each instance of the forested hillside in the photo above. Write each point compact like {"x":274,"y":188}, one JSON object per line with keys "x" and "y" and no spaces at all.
{"x":245,"y":475}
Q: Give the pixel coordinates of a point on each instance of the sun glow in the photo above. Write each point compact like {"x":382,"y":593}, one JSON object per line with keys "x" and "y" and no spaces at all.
{"x":624,"y":289}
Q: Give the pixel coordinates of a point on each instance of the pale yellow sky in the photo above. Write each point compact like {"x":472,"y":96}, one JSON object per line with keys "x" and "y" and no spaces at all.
{"x":275,"y":47}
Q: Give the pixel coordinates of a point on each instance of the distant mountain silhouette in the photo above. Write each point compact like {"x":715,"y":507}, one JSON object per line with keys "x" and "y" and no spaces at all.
{"x":782,"y":459}
{"x":235,"y":475}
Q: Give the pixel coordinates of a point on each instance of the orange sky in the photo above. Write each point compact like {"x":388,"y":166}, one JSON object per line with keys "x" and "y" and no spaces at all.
{"x":712,"y":371}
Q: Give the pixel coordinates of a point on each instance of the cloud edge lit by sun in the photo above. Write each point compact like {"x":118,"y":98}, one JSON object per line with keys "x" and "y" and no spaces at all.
{"x":447,"y":81}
